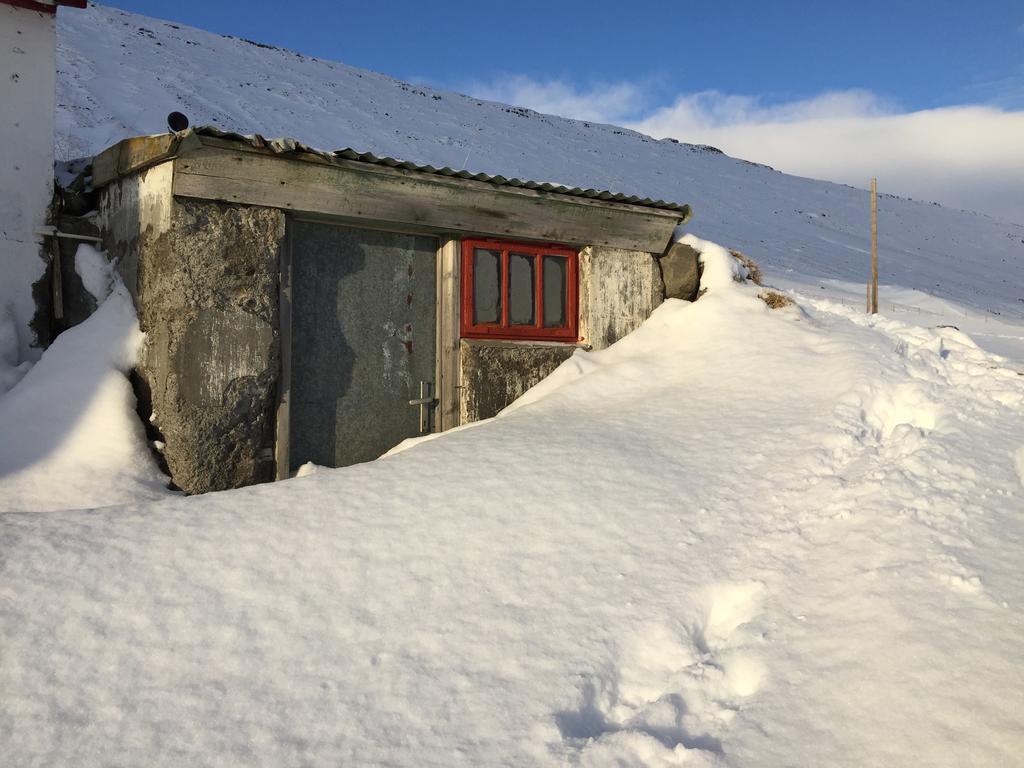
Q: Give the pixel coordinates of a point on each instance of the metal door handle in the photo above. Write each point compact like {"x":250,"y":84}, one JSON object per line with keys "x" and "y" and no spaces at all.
{"x":426,"y":401}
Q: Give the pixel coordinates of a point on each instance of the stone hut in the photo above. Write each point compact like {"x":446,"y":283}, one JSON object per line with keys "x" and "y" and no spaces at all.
{"x":308,"y":306}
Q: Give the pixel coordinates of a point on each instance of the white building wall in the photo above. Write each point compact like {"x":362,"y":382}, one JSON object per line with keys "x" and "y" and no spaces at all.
{"x":27,"y":79}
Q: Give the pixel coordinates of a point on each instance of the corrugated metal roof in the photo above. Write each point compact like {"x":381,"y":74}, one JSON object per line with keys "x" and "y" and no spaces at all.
{"x":288,"y":145}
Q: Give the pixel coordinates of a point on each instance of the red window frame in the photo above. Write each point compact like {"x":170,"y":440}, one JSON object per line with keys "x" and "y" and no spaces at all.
{"x":504,"y":329}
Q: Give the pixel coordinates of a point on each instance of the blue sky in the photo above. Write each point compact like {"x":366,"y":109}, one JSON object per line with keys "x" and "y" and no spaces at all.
{"x":794,"y":85}
{"x":916,"y":54}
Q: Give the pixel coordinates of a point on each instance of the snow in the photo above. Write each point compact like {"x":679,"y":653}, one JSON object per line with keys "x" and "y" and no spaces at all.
{"x":309,"y":468}
{"x":718,"y":268}
{"x":69,"y":434}
{"x":95,"y":270}
{"x":737,"y":537}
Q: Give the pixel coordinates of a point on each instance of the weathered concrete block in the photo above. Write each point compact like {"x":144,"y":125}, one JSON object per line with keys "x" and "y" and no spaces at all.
{"x":218,"y":349}
{"x":680,"y":270}
{"x":494,"y":373}
{"x":208,"y":303}
{"x":618,"y":291}
{"x":135,"y":221}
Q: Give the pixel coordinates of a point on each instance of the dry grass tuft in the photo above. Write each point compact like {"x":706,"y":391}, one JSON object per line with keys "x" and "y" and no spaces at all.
{"x":754,"y":271}
{"x":775,"y":300}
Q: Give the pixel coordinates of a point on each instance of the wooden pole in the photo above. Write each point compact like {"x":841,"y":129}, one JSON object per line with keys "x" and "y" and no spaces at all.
{"x":57,"y":278}
{"x":874,"y":246}
{"x":282,"y":440}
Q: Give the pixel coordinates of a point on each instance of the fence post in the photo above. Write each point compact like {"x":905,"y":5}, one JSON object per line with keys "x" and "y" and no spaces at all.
{"x":874,"y":246}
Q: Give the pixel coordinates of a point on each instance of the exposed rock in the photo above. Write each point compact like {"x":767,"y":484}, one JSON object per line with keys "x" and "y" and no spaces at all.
{"x":680,"y":271}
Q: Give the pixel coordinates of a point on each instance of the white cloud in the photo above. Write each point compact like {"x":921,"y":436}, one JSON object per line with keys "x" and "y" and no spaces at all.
{"x":969,"y":156}
{"x":965,"y":156}
{"x":616,"y":102}
{"x":711,"y":109}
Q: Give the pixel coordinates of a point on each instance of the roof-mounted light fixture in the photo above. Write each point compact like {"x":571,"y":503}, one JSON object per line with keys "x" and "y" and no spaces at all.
{"x":177,"y":122}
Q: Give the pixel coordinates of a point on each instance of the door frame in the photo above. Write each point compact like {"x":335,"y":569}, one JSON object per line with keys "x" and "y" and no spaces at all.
{"x":446,"y":347}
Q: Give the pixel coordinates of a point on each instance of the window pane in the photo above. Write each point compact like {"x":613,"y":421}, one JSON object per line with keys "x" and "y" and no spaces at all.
{"x":521,"y":284}
{"x":486,"y":286}
{"x":554,"y":291}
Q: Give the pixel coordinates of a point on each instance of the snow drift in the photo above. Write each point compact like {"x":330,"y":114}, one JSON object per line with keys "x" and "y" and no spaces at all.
{"x":737,"y":537}
{"x":69,"y":434}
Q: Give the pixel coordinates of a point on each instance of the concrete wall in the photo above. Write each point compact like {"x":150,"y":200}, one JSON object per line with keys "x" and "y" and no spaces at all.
{"x":211,"y":361}
{"x":618,"y":291}
{"x":135,"y":216}
{"x":27,"y":76}
{"x":494,"y":373}
{"x":205,"y":279}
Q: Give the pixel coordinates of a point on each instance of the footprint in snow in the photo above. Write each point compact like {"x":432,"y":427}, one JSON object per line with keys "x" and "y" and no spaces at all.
{"x":671,"y":691}
{"x":900,"y":412}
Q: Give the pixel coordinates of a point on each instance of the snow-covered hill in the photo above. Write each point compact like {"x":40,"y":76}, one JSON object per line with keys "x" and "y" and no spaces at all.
{"x":121,"y":74}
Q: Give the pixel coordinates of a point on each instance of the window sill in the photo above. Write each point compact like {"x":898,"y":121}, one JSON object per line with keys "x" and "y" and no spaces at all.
{"x":492,"y":342}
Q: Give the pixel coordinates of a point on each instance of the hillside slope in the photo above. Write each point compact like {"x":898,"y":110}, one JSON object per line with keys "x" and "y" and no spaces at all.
{"x":121,"y":74}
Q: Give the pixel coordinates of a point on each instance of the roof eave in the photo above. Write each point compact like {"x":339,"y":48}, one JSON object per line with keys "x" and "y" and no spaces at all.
{"x":137,"y":153}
